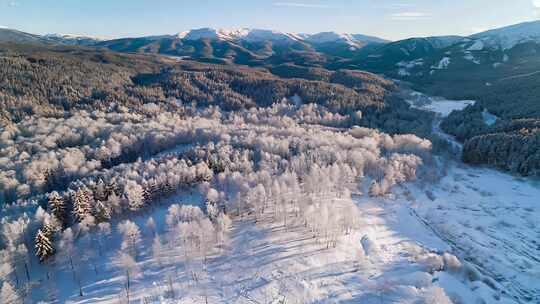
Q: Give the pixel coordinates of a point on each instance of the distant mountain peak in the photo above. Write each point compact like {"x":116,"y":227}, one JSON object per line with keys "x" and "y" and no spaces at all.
{"x":70,"y":36}
{"x":509,"y":36}
{"x":242,"y":34}
{"x":328,"y":37}
{"x":353,"y":40}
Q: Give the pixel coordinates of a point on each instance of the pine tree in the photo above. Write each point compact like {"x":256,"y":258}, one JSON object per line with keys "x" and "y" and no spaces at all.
{"x":81,"y":204}
{"x":102,"y":213}
{"x":112,"y":188}
{"x":155,"y":192}
{"x":43,"y":243}
{"x":57,"y":207}
{"x":100,"y":191}
{"x":147,"y":196}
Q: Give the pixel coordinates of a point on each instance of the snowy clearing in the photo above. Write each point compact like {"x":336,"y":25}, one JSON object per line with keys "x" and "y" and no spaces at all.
{"x":489,"y":119}
{"x":437,"y":104}
{"x":491,"y":219}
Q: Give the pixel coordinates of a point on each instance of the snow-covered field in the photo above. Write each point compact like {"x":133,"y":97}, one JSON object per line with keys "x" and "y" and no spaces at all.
{"x":436,"y":104}
{"x":397,"y":254}
{"x":391,"y":257}
{"x":489,"y":218}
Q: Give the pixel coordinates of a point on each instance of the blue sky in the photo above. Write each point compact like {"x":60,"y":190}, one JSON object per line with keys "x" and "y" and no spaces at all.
{"x":392,"y":19}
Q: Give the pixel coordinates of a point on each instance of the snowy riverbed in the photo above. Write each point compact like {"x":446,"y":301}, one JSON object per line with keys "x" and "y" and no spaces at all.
{"x":489,"y":218}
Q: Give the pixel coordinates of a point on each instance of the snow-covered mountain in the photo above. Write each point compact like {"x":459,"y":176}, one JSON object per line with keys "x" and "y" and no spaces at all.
{"x":258,"y":35}
{"x":235,"y":35}
{"x":350,"y":39}
{"x":208,"y":33}
{"x":510,"y":36}
{"x":332,"y":37}
{"x":72,"y":39}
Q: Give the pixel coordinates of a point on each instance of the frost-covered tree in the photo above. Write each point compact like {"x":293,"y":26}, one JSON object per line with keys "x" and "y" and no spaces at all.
{"x":57,"y":207}
{"x":131,"y":237}
{"x":44,"y":243}
{"x":151,"y":226}
{"x":223,"y":224}
{"x":102,"y":212}
{"x":81,"y":203}
{"x":212,"y":208}
{"x":8,"y":295}
{"x":101,"y":235}
{"x":157,"y":250}
{"x":131,"y":270}
{"x":134,"y":195}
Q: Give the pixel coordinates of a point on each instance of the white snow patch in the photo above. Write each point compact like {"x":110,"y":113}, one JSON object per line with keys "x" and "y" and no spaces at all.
{"x":410,"y":64}
{"x":476,"y":46}
{"x":403,"y":72}
{"x":443,"y":64}
{"x":489,"y":119}
{"x":510,"y":36}
{"x":492,"y":218}
{"x":438,"y":105}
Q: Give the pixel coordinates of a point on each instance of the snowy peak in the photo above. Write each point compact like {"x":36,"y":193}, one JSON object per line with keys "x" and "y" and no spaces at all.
{"x":262,"y":35}
{"x":244,"y":34}
{"x":350,"y":39}
{"x":206,"y":33}
{"x":72,"y":39}
{"x":328,"y":37}
{"x":69,"y":36}
{"x":258,"y":35}
{"x":508,"y":37}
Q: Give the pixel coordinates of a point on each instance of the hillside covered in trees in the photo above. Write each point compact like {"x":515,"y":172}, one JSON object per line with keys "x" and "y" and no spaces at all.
{"x":134,"y":168}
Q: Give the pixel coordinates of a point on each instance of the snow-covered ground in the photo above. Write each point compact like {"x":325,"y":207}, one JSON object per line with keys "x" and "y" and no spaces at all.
{"x":396,"y":255}
{"x":392,"y":257}
{"x":437,"y":105}
{"x":489,"y":218}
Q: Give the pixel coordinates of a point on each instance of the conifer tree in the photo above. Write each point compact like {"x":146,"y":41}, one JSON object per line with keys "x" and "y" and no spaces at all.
{"x":57,"y":207}
{"x":43,"y":243}
{"x":102,"y":213}
{"x":81,"y":204}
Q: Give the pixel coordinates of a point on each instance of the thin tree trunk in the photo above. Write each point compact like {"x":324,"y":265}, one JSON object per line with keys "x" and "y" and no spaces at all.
{"x":127,"y":285}
{"x":27,"y":271}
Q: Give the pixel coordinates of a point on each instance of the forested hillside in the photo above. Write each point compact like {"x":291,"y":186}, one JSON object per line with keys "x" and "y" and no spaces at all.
{"x":93,"y":141}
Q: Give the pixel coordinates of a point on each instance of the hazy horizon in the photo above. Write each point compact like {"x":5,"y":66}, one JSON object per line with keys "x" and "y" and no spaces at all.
{"x":391,"y":20}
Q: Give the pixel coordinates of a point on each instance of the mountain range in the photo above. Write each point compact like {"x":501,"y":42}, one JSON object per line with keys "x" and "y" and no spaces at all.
{"x":409,"y":58}
{"x":451,"y":66}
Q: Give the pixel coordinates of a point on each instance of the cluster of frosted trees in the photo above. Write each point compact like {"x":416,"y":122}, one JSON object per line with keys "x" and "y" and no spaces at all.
{"x":69,"y":178}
